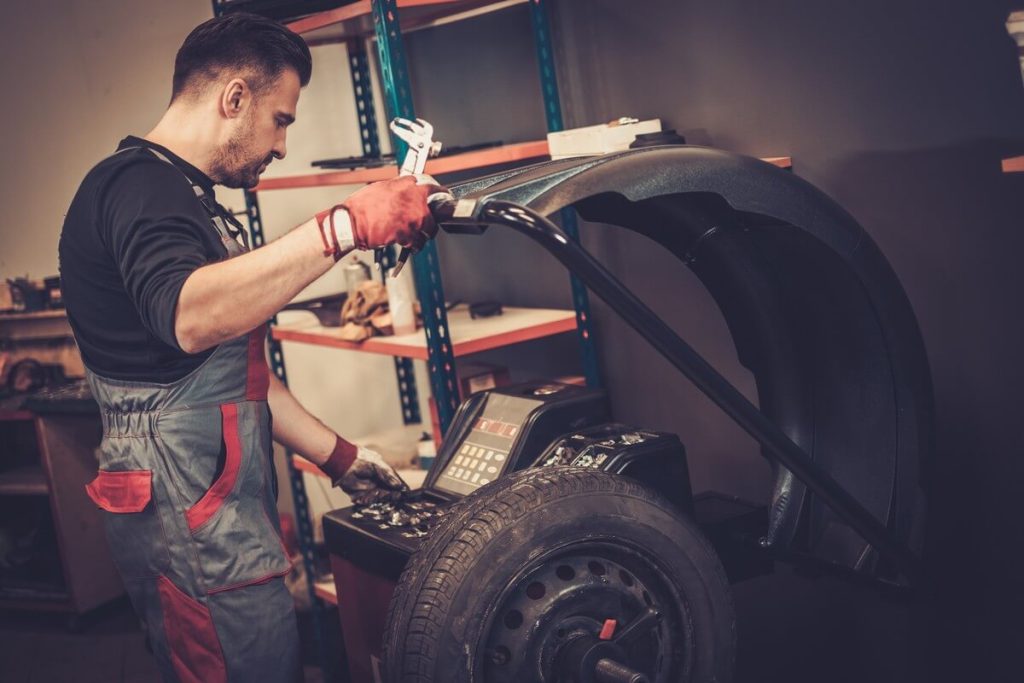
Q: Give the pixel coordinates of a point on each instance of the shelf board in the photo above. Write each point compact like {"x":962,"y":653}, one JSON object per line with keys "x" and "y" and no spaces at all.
{"x":492,"y":156}
{"x":34,"y":315}
{"x":326,"y":590}
{"x":1013,"y":165}
{"x":355,"y":20}
{"x":467,"y":336}
{"x":29,"y":480}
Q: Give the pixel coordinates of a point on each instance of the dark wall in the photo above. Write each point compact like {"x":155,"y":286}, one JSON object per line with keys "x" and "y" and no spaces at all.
{"x":901,"y":111}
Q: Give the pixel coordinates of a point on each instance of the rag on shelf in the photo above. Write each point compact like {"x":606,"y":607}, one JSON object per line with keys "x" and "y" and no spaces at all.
{"x":365,"y":313}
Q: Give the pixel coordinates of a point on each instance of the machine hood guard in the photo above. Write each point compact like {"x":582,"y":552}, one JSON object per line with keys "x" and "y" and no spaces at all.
{"x":815,"y":311}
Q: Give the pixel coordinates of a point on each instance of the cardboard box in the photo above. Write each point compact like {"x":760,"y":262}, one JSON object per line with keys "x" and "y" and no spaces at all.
{"x":615,"y":136}
{"x":474,"y":377}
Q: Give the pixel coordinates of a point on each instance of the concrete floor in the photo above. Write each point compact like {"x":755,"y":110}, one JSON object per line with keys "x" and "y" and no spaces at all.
{"x":823,"y":630}
{"x":40,"y":648}
{"x":791,"y":629}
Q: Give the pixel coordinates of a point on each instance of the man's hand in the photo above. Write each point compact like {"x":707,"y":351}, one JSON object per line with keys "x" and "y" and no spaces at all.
{"x":393,"y":211}
{"x":371,"y":480}
{"x":362,"y":474}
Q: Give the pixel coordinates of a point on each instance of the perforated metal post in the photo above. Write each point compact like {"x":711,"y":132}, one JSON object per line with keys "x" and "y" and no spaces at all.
{"x":427,"y":273}
{"x":553,"y":113}
{"x":362,"y":87}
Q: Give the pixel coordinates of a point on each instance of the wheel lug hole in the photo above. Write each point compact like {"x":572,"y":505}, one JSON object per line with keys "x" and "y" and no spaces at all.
{"x":536,"y":590}
{"x":513,"y":619}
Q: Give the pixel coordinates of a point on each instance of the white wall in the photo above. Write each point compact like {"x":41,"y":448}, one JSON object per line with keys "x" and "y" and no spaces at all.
{"x":79,"y":76}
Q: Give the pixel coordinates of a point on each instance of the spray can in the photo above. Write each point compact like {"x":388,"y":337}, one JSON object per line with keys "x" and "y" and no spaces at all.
{"x":355,"y":273}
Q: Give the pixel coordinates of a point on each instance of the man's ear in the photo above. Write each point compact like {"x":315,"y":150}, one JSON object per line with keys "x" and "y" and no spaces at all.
{"x":235,"y":98}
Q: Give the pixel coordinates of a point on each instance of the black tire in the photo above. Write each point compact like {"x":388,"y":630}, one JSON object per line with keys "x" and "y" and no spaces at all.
{"x":452,"y":600}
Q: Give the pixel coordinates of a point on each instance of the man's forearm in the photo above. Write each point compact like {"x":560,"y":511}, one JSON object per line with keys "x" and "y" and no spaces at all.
{"x":295,"y":428}
{"x":224,"y":300}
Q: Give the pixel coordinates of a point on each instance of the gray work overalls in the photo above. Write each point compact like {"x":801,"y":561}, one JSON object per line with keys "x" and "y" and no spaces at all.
{"x":186,"y":481}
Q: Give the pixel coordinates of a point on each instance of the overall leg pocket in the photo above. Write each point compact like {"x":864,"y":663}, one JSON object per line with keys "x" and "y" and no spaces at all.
{"x":134,"y":531}
{"x":195,"y":649}
{"x":235,"y":540}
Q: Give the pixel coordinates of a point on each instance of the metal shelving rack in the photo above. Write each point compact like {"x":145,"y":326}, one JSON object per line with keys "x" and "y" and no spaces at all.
{"x":398,"y":101}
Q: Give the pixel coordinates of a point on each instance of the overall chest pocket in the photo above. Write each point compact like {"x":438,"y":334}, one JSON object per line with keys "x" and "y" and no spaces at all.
{"x":134,"y":529}
{"x":233,"y":523}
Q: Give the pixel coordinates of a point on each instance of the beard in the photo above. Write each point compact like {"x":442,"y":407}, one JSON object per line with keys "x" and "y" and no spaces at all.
{"x":235,"y":165}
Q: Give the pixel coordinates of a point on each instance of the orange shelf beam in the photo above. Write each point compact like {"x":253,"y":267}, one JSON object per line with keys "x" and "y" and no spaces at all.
{"x":333,"y":16}
{"x":506,"y":154}
{"x":304,"y":465}
{"x":1013,"y":165}
{"x":355,"y":10}
{"x":326,"y":590}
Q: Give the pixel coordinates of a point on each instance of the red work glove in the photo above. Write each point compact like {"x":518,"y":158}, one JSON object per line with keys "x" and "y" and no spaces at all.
{"x":393,"y":211}
{"x":362,"y":474}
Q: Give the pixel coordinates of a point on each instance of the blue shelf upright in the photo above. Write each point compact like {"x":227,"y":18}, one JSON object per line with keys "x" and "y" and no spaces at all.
{"x":553,"y":113}
{"x":362,"y":87}
{"x":427,"y":271}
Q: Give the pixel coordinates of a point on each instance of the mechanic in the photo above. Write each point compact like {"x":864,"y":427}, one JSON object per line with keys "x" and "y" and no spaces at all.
{"x":169,"y":308}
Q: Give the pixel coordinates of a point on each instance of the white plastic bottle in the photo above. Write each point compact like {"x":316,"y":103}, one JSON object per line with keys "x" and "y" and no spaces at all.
{"x":401,"y":294}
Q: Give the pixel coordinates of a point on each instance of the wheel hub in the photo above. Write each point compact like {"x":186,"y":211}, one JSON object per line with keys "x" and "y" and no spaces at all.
{"x":548,"y":624}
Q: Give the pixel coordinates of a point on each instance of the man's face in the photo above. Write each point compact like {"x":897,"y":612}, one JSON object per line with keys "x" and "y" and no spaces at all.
{"x":258,"y":134}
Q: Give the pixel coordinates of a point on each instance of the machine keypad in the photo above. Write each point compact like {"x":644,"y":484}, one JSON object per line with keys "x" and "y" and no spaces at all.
{"x":475,"y":464}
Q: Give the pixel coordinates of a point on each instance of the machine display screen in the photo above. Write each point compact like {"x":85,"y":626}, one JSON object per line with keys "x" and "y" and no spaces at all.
{"x":483,"y":454}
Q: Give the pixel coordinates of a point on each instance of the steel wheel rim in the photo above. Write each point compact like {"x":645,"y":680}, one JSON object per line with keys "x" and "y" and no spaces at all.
{"x":568,"y":593}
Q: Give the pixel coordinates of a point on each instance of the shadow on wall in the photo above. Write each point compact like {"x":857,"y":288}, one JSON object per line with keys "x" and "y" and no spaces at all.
{"x":950,"y":222}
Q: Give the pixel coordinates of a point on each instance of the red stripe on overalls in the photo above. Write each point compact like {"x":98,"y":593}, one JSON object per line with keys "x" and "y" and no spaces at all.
{"x":201,"y":512}
{"x":257,"y":379}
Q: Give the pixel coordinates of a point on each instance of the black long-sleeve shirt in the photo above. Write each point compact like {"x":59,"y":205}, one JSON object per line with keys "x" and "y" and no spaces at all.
{"x":133,"y":234}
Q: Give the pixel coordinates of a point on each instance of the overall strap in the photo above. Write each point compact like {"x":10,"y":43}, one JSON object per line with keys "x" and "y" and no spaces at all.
{"x":226,"y":224}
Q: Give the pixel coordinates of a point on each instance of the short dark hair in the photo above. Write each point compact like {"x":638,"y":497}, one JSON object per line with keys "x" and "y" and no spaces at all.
{"x":240,"y":41}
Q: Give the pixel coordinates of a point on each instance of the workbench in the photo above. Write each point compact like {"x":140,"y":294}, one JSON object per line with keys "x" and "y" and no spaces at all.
{"x":47,"y":457}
